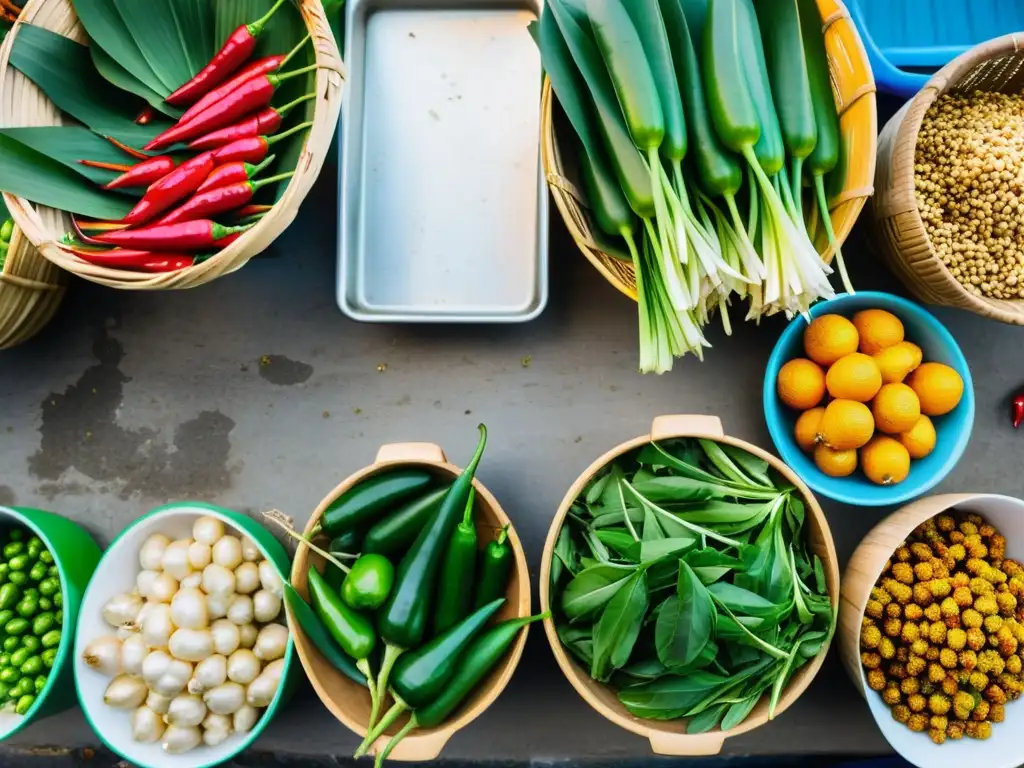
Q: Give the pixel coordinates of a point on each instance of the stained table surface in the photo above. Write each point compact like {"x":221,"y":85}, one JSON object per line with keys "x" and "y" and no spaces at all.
{"x":255,"y":392}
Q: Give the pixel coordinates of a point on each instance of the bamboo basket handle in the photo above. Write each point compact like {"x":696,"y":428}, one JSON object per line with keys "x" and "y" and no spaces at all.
{"x":680,"y":744}
{"x":665,"y":427}
{"x":416,"y":747}
{"x":425,"y":452}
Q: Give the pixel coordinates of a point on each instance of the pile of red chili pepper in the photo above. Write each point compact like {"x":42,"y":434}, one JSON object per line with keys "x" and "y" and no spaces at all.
{"x":420,"y":588}
{"x":231,"y":124}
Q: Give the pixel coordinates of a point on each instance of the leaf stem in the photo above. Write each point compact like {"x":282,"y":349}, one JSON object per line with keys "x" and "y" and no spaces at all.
{"x":284,"y":522}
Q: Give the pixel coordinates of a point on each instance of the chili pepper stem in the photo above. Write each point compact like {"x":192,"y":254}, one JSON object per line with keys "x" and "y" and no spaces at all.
{"x":280,"y":519}
{"x":288,"y":107}
{"x":393,"y":742}
{"x":503,"y":536}
{"x":119,"y":167}
{"x":295,"y":50}
{"x":289,"y":132}
{"x":128,"y":150}
{"x":278,"y":79}
{"x":280,"y":177}
{"x":363,"y":665}
{"x":257,"y":26}
{"x":374,"y":732}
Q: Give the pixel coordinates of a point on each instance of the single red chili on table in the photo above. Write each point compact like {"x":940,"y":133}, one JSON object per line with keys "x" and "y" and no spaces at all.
{"x":1017,"y":410}
{"x":217,"y":201}
{"x":141,"y":261}
{"x":144,"y":174}
{"x":254,"y":148}
{"x":236,"y":49}
{"x":263,"y":66}
{"x":249,"y":96}
{"x":262,"y":123}
{"x":197,"y":235}
{"x":171,"y":189}
{"x":232,"y":173}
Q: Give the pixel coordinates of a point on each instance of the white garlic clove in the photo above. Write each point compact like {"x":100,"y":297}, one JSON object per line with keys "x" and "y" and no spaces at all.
{"x":225,"y":699}
{"x":186,"y":709}
{"x":151,"y":554}
{"x":271,"y":642}
{"x":104,"y":655}
{"x":191,"y":644}
{"x":208,"y":530}
{"x":247,"y":634}
{"x":227,"y":552}
{"x":266,"y":606}
{"x":189,"y":609}
{"x":158,"y":702}
{"x":209,"y":673}
{"x":241,"y":610}
{"x":178,"y":739}
{"x":243,"y":666}
{"x":270,"y":578}
{"x":147,"y":725}
{"x":247,"y":578}
{"x":244,"y":719}
{"x":125,"y":692}
{"x":133,"y":653}
{"x":122,"y":609}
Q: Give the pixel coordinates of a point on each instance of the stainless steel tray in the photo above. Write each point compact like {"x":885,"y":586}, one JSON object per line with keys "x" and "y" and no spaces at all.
{"x":444,"y":211}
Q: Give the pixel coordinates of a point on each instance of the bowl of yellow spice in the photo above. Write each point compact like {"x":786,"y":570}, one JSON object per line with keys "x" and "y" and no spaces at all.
{"x":931,"y":627}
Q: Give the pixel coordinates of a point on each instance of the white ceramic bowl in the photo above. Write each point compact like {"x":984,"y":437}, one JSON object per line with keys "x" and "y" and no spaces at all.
{"x":116,"y":573}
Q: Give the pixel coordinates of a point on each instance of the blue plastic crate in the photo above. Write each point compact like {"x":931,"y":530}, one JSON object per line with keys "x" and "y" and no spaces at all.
{"x":908,"y":39}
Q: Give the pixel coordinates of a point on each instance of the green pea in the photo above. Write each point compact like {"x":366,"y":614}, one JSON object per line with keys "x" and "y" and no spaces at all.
{"x":20,"y":656}
{"x":9,"y":596}
{"x":53,"y":570}
{"x":38,"y":572}
{"x":25,"y":703}
{"x":49,"y":587}
{"x":5,"y":660}
{"x":5,"y":569}
{"x":34,"y":549}
{"x":9,"y":675}
{"x":20,"y":688}
{"x":31,"y":642}
{"x":45,"y":604}
{"x":42,"y":624}
{"x":16,"y":534}
{"x":11,"y":643}
{"x":49,"y":656}
{"x":19,"y":563}
{"x":28,"y":607}
{"x":16,"y":626}
{"x":6,"y":616}
{"x":51,"y":640}
{"x":18,"y":577}
{"x":4,"y":690}
{"x":39,"y":683}
{"x":12,"y":549}
{"x":59,"y":617}
{"x":33,"y":666}
{"x":58,"y":599}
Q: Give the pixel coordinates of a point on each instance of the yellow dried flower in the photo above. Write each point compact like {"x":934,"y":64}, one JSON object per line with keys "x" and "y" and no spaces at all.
{"x":945,"y":523}
{"x":886,"y":648}
{"x":894,"y":611}
{"x":967,"y":528}
{"x":922,"y":595}
{"x":1013,"y":664}
{"x":870,"y":636}
{"x":986,"y":531}
{"x":975,"y":639}
{"x":915,"y":701}
{"x":913,"y":612}
{"x":921,"y":551}
{"x":962,"y":597}
{"x":995,"y":694}
{"x":874,"y":609}
{"x":940,"y":568}
{"x":957,"y":551}
{"x":936,"y":672}
{"x":903,"y":573}
{"x":997,"y":713}
{"x":902,"y":553}
{"x":939,"y":704}
{"x":997,"y":547}
{"x":976,"y":566}
{"x":956,"y":639}
{"x":978,"y":680}
{"x":1007,"y":642}
{"x":968,"y":660}
{"x":891,"y":696}
{"x":870,"y":660}
{"x":893,"y":627}
{"x":960,"y":579}
{"x":963,"y":703}
{"x":980,"y":586}
{"x":990,"y":662}
{"x":916,"y":665}
{"x":937,"y":736}
{"x":881,"y":595}
{"x":901,"y":713}
{"x":876,"y":680}
{"x":910,"y":632}
{"x":993,"y":624}
{"x":1012,"y":568}
{"x":1007,"y":603}
{"x":919,"y":647}
{"x":950,"y":687}
{"x":955,"y":730}
{"x":957,"y":537}
{"x":933,"y":653}
{"x":971,"y":618}
{"x":941,"y":587}
{"x":986,"y":605}
{"x":978,"y":730}
{"x":923,"y":571}
{"x":947,"y":658}
{"x":933,"y":612}
{"x":976,"y":549}
{"x":950,"y":608}
{"x":918,"y":722}
{"x":980,"y":711}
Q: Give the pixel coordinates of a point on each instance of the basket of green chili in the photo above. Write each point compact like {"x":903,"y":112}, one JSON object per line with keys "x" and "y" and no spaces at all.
{"x":414,"y":622}
{"x":693,"y":586}
{"x":161,"y":145}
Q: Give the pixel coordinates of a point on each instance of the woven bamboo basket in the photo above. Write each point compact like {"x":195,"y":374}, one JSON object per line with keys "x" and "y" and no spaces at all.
{"x":31,"y":289}
{"x":997,"y":65}
{"x":854,"y":89}
{"x":24,"y":104}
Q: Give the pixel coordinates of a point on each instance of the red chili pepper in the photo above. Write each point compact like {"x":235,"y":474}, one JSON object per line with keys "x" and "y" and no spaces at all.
{"x":145,"y":117}
{"x":251,"y":95}
{"x":96,"y":225}
{"x":1017,"y":410}
{"x":232,"y":173}
{"x":262,"y":123}
{"x":144,"y":174}
{"x":220,"y":200}
{"x":197,"y":235}
{"x":224,"y":242}
{"x":253,"y":210}
{"x":171,"y":189}
{"x":142,"y":261}
{"x":236,"y":49}
{"x":259,"y":67}
{"x":254,"y":148}
{"x":119,"y":167}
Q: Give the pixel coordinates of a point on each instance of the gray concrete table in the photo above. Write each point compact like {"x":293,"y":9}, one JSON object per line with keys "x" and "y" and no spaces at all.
{"x":255,"y":392}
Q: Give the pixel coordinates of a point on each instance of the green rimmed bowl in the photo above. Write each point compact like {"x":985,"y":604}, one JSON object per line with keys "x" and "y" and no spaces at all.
{"x":116,"y":573}
{"x":76,"y":556}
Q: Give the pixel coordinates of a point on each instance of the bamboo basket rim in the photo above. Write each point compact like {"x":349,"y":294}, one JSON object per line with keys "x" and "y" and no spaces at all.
{"x":421,"y":743}
{"x":910,"y":118}
{"x":665,"y":736}
{"x":31,"y":290}
{"x":22,"y":102}
{"x":574,"y":209}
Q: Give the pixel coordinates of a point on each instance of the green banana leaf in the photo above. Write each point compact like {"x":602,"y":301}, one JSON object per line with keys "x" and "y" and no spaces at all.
{"x":43,"y":180}
{"x":108,"y":31}
{"x":155,"y":31}
{"x":67,"y":144}
{"x":123,"y":79}
{"x":63,"y":69}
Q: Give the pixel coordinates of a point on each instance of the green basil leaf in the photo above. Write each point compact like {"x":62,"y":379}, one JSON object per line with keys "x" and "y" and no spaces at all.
{"x":619,"y":541}
{"x":755,"y":468}
{"x":652,"y":529}
{"x":706,"y":720}
{"x":712,"y":573}
{"x":721,"y":513}
{"x":676,"y":488}
{"x":619,"y":626}
{"x":643,"y":671}
{"x":820,"y":582}
{"x":739,"y":711}
{"x":668,"y":698}
{"x":686,"y":623}
{"x":579,"y":641}
{"x":596,"y":487}
{"x":592,"y":588}
{"x":744,"y":602}
{"x":656,"y":550}
{"x":609,"y":519}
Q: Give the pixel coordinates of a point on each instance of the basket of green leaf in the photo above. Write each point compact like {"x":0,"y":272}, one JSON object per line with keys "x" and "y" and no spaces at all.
{"x":162,"y":144}
{"x":693,"y":585}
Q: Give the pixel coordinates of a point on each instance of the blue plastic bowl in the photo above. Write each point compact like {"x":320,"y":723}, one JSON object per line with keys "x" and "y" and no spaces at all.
{"x":953,"y":430}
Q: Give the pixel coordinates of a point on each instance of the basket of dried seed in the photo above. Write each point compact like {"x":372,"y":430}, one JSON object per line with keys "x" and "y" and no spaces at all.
{"x":947,"y":211}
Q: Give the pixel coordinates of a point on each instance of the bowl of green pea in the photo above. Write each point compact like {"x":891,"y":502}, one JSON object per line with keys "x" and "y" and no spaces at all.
{"x":46,"y":562}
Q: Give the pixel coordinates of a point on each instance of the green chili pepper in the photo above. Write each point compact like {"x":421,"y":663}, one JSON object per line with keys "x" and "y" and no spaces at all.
{"x":33,"y":666}
{"x":28,"y":607}
{"x":51,"y":640}
{"x":16,"y":626}
{"x":11,"y":643}
{"x":9,"y":675}
{"x":366,"y":501}
{"x":46,"y":556}
{"x":19,"y":657}
{"x":38,"y":571}
{"x":45,"y":604}
{"x":20,"y":563}
{"x":42,"y":624}
{"x":18,"y":577}
{"x":39,"y":683}
{"x":9,"y":596}
{"x":31,"y":642}
{"x":495,"y":566}
{"x":49,"y":656}
{"x":12,"y":549}
{"x":482,"y":656}
{"x":347,"y":543}
{"x":455,"y":585}
{"x":321,"y":638}
{"x":25,"y":703}
{"x":368,"y":583}
{"x":403,"y":619}
{"x":394,"y":534}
